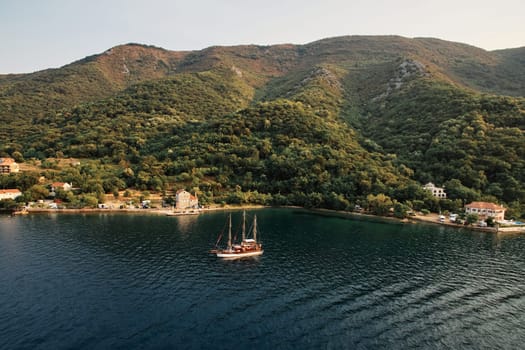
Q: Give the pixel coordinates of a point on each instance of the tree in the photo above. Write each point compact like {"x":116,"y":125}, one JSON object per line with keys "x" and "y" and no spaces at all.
{"x":9,"y":204}
{"x":337,"y":201}
{"x":450,"y":205}
{"x":456,"y":190}
{"x":24,"y":180}
{"x":400,"y":210}
{"x":36,"y":192}
{"x":89,"y":200}
{"x":18,"y":157}
{"x":380,"y":204}
{"x":472,"y":218}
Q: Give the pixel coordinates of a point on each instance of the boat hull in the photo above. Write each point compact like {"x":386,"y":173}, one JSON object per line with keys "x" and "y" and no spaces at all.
{"x":239,"y":255}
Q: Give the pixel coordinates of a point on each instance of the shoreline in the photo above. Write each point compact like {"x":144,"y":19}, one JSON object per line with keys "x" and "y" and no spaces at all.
{"x":153,"y":211}
{"x":431,"y":218}
{"x":426,"y":219}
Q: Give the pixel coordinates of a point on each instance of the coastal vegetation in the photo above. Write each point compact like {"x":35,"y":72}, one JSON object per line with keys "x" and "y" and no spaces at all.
{"x":339,"y":123}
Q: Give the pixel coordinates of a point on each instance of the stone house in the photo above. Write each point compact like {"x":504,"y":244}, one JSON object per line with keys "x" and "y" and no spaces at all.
{"x":185,"y":200}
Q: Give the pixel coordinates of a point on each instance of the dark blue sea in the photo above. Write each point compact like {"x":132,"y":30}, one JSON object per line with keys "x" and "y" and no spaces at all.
{"x":147,"y":282}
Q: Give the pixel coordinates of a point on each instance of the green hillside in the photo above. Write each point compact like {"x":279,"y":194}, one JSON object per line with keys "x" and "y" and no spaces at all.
{"x":27,"y":98}
{"x":511,"y":69}
{"x":446,"y":133}
{"x":334,"y":123}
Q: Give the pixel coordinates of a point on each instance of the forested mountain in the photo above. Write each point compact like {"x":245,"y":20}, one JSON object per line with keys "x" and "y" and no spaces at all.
{"x":333,"y":123}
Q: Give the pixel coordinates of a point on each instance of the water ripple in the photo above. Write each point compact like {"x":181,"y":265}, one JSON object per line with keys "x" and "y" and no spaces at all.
{"x":113,"y":281}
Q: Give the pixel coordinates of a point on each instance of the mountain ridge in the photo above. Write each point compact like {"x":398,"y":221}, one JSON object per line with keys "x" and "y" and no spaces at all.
{"x":404,"y":45}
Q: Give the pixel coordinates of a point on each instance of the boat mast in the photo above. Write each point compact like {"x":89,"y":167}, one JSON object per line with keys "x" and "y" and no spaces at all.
{"x":230,"y":234}
{"x":255,"y":228}
{"x":243,"y":226}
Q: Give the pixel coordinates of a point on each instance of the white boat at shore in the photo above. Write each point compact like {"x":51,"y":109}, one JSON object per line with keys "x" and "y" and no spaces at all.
{"x":248,"y":247}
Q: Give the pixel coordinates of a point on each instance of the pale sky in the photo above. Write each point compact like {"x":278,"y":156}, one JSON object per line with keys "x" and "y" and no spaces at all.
{"x":40,"y":34}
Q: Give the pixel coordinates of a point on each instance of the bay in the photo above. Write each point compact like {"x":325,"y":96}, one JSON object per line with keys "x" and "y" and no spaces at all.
{"x":110,"y":281}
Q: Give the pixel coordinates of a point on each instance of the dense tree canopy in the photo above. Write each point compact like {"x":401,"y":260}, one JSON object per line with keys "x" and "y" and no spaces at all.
{"x":333,"y":124}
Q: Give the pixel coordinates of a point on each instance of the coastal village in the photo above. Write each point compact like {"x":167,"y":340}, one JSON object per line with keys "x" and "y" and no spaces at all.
{"x":477,"y":214}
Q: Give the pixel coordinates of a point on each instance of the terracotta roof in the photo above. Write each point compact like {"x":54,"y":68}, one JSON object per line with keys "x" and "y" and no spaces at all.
{"x":193,"y":198}
{"x":484,"y":205}
{"x":10,"y":191}
{"x":57,"y":184}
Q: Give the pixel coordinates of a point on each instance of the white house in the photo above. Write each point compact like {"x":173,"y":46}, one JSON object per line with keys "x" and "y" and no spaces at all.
{"x":438,"y":192}
{"x":485,"y":209}
{"x":62,"y":185}
{"x":9,"y":194}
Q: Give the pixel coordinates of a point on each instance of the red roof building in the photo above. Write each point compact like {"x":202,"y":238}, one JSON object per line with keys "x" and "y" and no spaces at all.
{"x":486,"y":209}
{"x":10,"y":194}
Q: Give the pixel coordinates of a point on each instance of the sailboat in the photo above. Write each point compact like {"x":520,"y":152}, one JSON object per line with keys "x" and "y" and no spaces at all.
{"x":248,"y":247}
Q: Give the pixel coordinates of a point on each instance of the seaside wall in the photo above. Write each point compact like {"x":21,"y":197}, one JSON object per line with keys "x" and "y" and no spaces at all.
{"x":512,"y":229}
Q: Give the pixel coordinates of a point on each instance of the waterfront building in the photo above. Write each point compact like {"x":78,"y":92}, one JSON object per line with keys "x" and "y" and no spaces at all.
{"x":185,"y":200}
{"x":9,"y":194}
{"x":486,"y":209}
